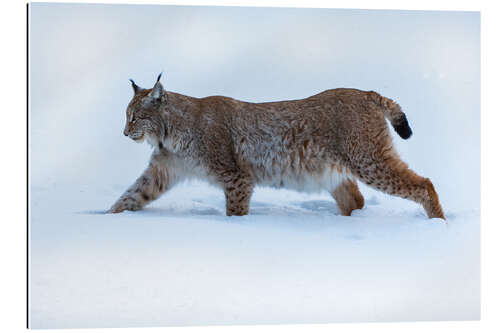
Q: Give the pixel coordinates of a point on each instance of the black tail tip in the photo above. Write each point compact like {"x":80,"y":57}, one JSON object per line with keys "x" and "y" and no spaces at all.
{"x":403,"y":128}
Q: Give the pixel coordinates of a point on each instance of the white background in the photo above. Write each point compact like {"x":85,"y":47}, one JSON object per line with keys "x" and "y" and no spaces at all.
{"x":485,"y":198}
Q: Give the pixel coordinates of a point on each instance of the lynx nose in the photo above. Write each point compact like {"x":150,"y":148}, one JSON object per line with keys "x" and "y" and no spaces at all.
{"x":125,"y":131}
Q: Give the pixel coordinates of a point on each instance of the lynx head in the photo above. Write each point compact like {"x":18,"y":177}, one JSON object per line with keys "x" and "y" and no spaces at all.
{"x":144,"y":114}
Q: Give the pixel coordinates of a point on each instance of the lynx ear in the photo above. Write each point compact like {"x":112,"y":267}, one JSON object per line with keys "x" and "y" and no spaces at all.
{"x":157,"y":89}
{"x":136,"y":87}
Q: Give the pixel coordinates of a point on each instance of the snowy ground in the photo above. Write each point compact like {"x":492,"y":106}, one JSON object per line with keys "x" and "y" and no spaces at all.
{"x":294,"y":259}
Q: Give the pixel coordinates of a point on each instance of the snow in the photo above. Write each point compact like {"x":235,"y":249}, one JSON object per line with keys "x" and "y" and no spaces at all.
{"x":294,"y":258}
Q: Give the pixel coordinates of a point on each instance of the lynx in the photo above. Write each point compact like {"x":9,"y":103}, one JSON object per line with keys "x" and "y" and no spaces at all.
{"x":324,"y":142}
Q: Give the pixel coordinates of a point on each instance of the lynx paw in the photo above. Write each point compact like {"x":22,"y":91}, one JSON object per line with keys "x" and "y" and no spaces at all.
{"x":124,"y":204}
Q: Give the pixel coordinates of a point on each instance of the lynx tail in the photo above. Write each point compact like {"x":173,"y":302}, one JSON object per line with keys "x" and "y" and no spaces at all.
{"x":397,"y":118}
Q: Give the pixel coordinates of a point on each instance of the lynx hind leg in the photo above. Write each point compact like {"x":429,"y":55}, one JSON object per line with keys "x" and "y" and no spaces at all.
{"x":348,"y":196}
{"x":238,"y":189}
{"x":389,"y":174}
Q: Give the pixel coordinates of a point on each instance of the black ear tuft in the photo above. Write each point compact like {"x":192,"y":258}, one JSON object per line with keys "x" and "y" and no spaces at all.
{"x":157,"y":91}
{"x":159,"y":76}
{"x":135,"y":87}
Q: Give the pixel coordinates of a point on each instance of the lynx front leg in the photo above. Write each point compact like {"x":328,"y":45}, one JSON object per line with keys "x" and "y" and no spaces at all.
{"x":348,"y":197}
{"x":238,"y":189}
{"x":154,"y":181}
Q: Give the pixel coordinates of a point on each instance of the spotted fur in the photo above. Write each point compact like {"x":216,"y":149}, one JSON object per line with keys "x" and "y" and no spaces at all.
{"x":324,"y":142}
